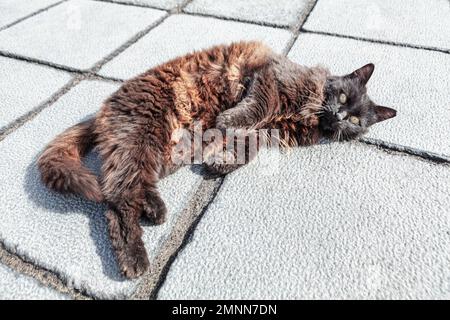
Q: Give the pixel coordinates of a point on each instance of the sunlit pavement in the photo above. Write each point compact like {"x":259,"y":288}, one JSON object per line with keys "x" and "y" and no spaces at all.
{"x":368,"y":219}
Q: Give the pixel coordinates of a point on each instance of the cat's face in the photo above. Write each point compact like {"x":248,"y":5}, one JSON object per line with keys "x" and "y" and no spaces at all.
{"x":348,"y":111}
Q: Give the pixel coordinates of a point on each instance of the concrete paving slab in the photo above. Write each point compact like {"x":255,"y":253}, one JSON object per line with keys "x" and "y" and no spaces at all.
{"x":15,"y":286}
{"x":337,"y":221}
{"x":13,"y":10}
{"x":67,"y":234}
{"x":415,"y":82}
{"x":162,"y":4}
{"x":279,"y":13}
{"x":18,"y":78}
{"x":77,"y":33}
{"x":416,"y":22}
{"x":169,"y":40}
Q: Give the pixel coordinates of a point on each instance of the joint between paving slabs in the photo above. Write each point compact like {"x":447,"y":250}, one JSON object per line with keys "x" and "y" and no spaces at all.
{"x":40,"y":62}
{"x":241,"y":20}
{"x":47,"y":278}
{"x":97,"y":66}
{"x":377,"y":41}
{"x":393,"y":148}
{"x":179,"y":237}
{"x":31,"y":15}
{"x":299,"y":25}
{"x":17,"y":123}
{"x":89,"y":75}
{"x":133,"y":4}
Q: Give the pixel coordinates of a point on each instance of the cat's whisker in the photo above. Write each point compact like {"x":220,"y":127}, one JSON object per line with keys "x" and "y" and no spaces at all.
{"x":311,"y":97}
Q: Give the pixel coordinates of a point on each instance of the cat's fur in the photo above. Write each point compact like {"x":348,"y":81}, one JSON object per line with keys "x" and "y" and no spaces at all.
{"x":241,"y":85}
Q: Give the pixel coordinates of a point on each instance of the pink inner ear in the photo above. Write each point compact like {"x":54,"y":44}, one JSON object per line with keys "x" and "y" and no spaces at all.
{"x":384,"y":113}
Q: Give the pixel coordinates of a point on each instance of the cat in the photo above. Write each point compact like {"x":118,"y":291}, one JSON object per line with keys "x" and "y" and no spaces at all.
{"x":241,"y":85}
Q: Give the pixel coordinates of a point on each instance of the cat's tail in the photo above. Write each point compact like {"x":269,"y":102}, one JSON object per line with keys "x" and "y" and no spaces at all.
{"x":61,"y":167}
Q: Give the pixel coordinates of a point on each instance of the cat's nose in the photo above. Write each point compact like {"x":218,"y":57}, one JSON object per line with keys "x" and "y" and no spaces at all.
{"x":341,"y":115}
{"x":335,"y":109}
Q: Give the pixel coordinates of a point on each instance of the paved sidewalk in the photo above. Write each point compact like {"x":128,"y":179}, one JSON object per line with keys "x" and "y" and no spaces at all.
{"x":366,"y":219}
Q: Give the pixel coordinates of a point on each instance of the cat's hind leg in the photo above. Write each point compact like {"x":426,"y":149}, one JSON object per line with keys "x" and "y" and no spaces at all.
{"x":129,"y":184}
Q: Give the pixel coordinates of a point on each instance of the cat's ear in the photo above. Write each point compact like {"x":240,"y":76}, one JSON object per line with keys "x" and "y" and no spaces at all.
{"x":363,"y":74}
{"x":384,"y":113}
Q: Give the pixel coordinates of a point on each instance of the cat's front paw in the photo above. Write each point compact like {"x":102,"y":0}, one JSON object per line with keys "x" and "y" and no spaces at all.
{"x":134,"y":261}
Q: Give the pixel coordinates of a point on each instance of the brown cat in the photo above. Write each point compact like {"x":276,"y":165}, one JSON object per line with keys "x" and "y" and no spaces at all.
{"x":242,"y":85}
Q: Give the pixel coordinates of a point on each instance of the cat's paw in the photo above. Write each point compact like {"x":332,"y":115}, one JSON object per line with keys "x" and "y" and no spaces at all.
{"x":155,"y":210}
{"x":214,"y":171}
{"x":134,"y":262}
{"x":210,"y":173}
{"x":128,"y":246}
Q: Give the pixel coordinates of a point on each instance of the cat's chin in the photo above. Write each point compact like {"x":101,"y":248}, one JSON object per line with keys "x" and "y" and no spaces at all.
{"x":329,"y":136}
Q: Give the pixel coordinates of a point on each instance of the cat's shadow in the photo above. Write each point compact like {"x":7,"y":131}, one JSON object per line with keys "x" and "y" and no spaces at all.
{"x":71,"y":204}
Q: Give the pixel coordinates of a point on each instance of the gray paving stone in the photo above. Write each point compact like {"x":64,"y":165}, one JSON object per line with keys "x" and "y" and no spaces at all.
{"x":329,"y":221}
{"x":280,"y":13}
{"x":77,"y":33}
{"x":15,"y":286}
{"x":17,"y":78}
{"x":417,"y":22}
{"x":12,"y":10}
{"x":415,"y":82}
{"x":163,"y":4}
{"x":169,"y":40}
{"x":65,"y":233}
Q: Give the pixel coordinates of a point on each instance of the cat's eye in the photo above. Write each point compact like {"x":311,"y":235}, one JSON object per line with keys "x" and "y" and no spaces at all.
{"x":343,"y":98}
{"x":354,"y":120}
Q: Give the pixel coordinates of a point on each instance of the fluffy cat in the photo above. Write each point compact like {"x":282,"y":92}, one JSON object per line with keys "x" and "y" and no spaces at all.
{"x":243,"y":85}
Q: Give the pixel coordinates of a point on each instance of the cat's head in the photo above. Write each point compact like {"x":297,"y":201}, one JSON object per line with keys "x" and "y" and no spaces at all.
{"x":348,"y":111}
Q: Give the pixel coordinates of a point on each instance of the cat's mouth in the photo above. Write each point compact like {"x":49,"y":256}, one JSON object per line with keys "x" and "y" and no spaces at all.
{"x":337,"y":128}
{"x":332,"y":130}
{"x":329,"y":121}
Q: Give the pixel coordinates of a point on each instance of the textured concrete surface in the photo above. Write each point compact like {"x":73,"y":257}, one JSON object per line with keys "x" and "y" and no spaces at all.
{"x":162,"y":4}
{"x":333,"y":221}
{"x":197,"y":33}
{"x":14,"y":286}
{"x":33,"y":217}
{"x":280,"y":13}
{"x":417,"y":22}
{"x":80,"y":32}
{"x":414,"y":82}
{"x":13,"y":10}
{"x":17,"y":74}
